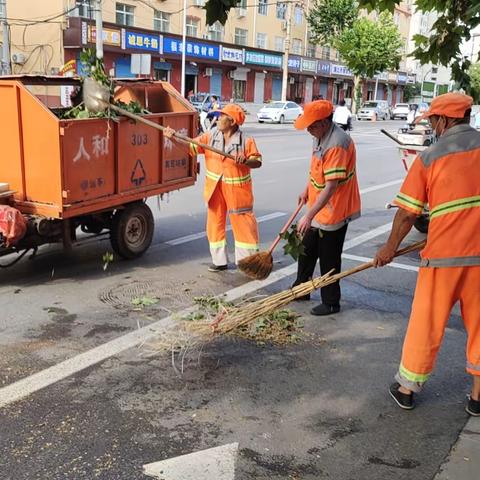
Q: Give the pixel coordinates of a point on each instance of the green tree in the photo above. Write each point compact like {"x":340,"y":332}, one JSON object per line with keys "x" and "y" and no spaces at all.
{"x":474,"y":73}
{"x":456,"y":19}
{"x":328,"y":19}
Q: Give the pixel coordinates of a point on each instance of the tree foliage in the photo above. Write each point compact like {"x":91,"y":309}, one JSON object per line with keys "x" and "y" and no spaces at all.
{"x":474,"y":73}
{"x":370,"y":47}
{"x":217,"y":10}
{"x":328,"y":19}
{"x":456,"y":19}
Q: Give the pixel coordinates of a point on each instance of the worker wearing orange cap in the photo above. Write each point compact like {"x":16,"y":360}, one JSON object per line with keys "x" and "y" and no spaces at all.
{"x":332,"y":197}
{"x":446,"y":177}
{"x":228,"y":186}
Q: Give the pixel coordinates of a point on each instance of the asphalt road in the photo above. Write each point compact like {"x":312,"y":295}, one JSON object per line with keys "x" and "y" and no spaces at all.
{"x":315,"y":410}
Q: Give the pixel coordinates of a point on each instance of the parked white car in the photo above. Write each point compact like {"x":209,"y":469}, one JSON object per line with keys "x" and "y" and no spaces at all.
{"x":279,"y":112}
{"x":374,"y":109}
{"x":400,"y":110}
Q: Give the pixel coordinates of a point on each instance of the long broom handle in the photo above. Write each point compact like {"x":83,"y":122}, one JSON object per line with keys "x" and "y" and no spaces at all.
{"x":365,"y":266}
{"x":180,"y":137}
{"x":285,"y":228}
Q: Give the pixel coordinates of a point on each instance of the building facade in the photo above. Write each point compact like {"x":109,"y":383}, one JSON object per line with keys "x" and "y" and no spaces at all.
{"x":432,"y":79}
{"x":241,"y":60}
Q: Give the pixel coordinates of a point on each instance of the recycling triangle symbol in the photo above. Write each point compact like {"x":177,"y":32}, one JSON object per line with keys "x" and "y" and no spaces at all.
{"x":138,"y":174}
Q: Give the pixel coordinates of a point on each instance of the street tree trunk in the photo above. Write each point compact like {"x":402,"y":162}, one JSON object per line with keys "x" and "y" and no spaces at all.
{"x":357,"y":93}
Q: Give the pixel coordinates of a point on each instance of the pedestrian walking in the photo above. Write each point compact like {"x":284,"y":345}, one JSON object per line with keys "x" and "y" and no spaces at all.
{"x":446,"y":177}
{"x":332,"y":197}
{"x":228,"y":186}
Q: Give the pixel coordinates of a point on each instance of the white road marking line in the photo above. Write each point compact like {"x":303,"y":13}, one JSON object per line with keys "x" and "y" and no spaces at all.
{"x":359,"y":258}
{"x":379,"y":187}
{"x":365,"y":237}
{"x":212,"y":464}
{"x":196,"y":236}
{"x":25,"y":387}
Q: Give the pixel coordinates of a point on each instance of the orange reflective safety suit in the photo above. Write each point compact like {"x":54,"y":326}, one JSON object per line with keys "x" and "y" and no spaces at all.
{"x":334,"y":158}
{"x":228,"y":189}
{"x":446,"y":177}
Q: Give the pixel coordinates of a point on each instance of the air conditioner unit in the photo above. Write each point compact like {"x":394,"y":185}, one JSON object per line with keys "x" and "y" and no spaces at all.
{"x":284,"y":24}
{"x":291,"y":80}
{"x":18,"y":58}
{"x":241,"y":12}
{"x":208,"y":72}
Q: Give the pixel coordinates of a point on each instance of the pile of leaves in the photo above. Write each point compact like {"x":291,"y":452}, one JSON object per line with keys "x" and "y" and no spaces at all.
{"x":95,"y":68}
{"x":294,"y":246}
{"x":280,"y":327}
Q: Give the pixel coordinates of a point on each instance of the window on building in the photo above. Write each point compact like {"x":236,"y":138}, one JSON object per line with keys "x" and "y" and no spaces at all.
{"x":424,"y":23}
{"x":281,"y":10}
{"x":261,"y":41}
{"x":326,"y":53}
{"x":311,"y":50}
{"x":242,"y":4}
{"x":396,"y":18}
{"x":215,"y":32}
{"x":241,"y":35}
{"x":279,"y":44}
{"x":192,"y":26}
{"x":297,"y":46}
{"x":434,"y":69}
{"x":298,"y":15}
{"x":263,"y":7}
{"x":161,"y":21}
{"x":85,"y":8}
{"x":124,"y":14}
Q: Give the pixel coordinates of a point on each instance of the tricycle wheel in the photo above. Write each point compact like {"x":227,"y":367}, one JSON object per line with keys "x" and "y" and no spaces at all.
{"x":132,"y":230}
{"x":421,"y":223}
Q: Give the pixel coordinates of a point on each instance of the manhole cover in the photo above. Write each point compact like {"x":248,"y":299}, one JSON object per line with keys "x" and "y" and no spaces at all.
{"x":171,"y":296}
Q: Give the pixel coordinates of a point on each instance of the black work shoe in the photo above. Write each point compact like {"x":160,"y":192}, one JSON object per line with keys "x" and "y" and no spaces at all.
{"x":403,"y":400}
{"x":324,"y":309}
{"x":217,"y":268}
{"x":473,"y":407}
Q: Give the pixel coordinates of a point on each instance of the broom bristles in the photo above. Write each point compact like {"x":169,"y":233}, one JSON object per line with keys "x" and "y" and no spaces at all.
{"x":257,"y":266}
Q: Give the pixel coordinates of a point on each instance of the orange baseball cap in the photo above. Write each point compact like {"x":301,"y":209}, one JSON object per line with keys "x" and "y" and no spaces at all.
{"x":235,"y":112}
{"x":312,"y":112}
{"x":452,"y":105}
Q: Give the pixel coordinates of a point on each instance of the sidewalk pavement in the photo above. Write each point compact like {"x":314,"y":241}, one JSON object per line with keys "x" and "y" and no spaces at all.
{"x":463,"y":462}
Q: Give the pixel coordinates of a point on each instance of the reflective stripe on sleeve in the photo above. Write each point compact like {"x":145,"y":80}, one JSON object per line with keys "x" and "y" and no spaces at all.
{"x":451,"y":262}
{"x":409,"y":202}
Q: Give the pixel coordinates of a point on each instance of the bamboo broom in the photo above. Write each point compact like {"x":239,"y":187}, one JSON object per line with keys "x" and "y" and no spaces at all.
{"x":259,"y":265}
{"x":231,"y":319}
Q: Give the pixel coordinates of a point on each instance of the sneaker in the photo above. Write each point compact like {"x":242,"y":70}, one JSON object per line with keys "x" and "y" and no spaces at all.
{"x":217,"y":268}
{"x":473,"y":407}
{"x":403,"y":400}
{"x":323,"y":309}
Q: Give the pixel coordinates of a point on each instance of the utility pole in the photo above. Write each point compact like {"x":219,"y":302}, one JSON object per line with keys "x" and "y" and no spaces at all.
{"x":184,"y":45}
{"x":99,"y":29}
{"x":5,"y":64}
{"x":288,"y":19}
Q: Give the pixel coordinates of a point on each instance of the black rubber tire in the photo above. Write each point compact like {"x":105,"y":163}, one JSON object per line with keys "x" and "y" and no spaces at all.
{"x":421,"y":223}
{"x":281,"y":120}
{"x":134,"y":221}
{"x":260,"y":121}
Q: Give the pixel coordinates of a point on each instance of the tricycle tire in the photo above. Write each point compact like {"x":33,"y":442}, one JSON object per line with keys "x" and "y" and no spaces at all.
{"x":132,"y":230}
{"x":421,"y":223}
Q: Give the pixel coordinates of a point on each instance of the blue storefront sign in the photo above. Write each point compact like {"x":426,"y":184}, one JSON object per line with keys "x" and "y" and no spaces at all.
{"x":142,"y":41}
{"x":323,"y":68}
{"x":193,"y":49}
{"x":336,"y":69}
{"x":402,"y":77}
{"x":294,"y":63}
{"x":266,"y":59}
